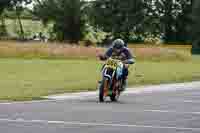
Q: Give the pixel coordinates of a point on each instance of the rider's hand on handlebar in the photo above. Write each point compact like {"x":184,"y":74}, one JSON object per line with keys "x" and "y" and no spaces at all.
{"x":126,"y":65}
{"x":101,"y":57}
{"x":125,"y":62}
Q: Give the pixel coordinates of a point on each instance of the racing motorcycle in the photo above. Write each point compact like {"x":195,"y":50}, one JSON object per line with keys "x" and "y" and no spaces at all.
{"x":111,"y":83}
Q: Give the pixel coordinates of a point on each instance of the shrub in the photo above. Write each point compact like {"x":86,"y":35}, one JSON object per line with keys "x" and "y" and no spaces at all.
{"x":94,"y":35}
{"x":152,"y":39}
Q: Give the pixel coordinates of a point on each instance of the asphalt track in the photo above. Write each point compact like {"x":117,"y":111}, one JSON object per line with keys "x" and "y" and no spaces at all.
{"x":155,"y":109}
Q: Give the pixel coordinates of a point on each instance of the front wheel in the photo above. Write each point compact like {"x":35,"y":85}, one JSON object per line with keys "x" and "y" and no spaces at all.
{"x":103,"y":90}
{"x":116,"y":93}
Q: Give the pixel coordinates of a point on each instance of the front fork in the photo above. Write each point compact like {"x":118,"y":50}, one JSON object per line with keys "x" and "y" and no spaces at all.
{"x":107,"y":85}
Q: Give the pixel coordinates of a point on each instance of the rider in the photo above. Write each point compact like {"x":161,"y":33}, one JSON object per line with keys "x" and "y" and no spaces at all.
{"x":119,"y":51}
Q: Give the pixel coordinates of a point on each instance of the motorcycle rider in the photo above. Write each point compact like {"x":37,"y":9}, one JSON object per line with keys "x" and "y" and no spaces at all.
{"x":120,"y":52}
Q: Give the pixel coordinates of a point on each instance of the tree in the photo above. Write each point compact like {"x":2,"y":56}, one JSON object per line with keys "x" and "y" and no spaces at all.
{"x":3,"y":4}
{"x":11,"y":3}
{"x":118,"y":17}
{"x":195,"y":27}
{"x":17,"y":6}
{"x":183,"y":22}
{"x":65,"y":15}
{"x":170,"y":18}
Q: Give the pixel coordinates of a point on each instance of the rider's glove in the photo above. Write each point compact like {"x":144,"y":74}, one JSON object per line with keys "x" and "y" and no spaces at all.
{"x":102,"y":57}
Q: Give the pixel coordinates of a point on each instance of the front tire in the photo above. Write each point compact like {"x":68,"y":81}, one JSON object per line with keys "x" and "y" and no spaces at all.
{"x":115,"y":95}
{"x":102,"y":89}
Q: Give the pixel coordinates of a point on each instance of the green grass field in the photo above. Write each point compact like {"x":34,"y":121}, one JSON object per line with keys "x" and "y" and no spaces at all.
{"x":22,"y":79}
{"x":31,"y":70}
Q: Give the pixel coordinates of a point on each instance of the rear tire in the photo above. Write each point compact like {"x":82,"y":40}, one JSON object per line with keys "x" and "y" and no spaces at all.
{"x":114,"y":97}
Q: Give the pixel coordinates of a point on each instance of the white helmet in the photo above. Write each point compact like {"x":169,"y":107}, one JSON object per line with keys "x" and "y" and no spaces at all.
{"x":118,"y":43}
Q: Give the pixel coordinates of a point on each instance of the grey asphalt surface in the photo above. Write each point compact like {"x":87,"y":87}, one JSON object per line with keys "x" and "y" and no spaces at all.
{"x":151,"y":112}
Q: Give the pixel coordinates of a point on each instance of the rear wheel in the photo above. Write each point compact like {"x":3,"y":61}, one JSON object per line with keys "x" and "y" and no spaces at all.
{"x":114,"y":97}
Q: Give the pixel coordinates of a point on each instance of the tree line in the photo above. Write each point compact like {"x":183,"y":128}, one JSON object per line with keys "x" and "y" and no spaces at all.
{"x":170,"y":20}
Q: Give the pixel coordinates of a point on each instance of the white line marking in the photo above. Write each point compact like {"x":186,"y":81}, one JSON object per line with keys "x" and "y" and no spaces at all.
{"x":97,"y":124}
{"x":5,"y":103}
{"x":191,"y":101}
{"x":158,"y":111}
{"x":29,"y":102}
{"x":172,"y":111}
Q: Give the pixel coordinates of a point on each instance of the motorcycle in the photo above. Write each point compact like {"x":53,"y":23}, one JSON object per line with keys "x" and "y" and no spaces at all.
{"x":111,"y":83}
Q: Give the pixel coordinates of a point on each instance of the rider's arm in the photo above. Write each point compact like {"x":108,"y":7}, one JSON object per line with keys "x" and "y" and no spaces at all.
{"x":107,"y":54}
{"x":129,"y":61}
{"x":130,"y":57}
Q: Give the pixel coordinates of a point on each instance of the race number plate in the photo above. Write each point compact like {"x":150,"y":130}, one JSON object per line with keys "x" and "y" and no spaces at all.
{"x":112,"y":63}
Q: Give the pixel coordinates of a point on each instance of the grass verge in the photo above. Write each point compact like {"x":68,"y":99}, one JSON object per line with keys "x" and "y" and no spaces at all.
{"x":22,"y":79}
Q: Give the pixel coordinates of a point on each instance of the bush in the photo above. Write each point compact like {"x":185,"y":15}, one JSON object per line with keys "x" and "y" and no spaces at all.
{"x":152,"y":39}
{"x":136,"y":38}
{"x":94,"y":35}
{"x":3,"y":31}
